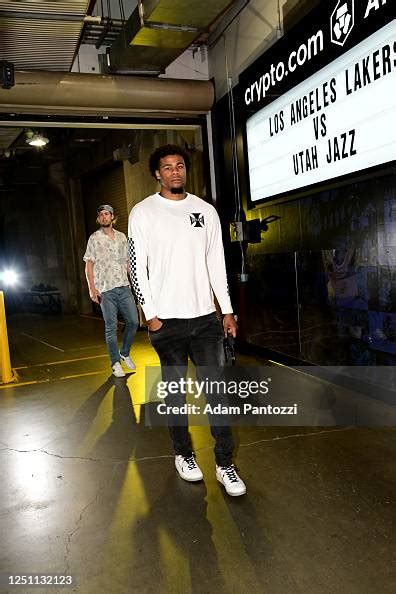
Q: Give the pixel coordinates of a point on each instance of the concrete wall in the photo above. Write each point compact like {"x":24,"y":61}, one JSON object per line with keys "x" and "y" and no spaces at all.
{"x":249,"y":35}
{"x":139,"y":183}
{"x":87,"y":60}
{"x":60,"y":248}
{"x":79,"y":237}
{"x":192,"y":64}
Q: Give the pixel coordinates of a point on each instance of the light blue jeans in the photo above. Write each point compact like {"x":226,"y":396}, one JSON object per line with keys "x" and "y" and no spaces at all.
{"x":119,"y":300}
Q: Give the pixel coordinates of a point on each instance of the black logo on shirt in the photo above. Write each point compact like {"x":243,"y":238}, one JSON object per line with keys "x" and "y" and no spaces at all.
{"x":197,"y":219}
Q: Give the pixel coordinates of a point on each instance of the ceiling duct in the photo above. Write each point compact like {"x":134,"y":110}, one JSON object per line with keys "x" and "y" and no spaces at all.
{"x":158,"y":31}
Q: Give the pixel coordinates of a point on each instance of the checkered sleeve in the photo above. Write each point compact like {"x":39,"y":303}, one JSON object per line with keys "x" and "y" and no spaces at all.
{"x":138,"y":259}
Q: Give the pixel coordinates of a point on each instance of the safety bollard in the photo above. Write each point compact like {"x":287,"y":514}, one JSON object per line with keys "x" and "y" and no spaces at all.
{"x":5,"y":364}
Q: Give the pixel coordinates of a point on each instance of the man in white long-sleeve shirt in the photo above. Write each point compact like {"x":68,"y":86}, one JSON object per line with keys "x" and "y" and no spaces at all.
{"x":177,"y":266}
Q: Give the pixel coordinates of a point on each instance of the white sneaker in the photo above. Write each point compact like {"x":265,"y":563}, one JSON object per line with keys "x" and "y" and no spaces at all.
{"x":227,"y":476}
{"x":188,"y":468}
{"x":118,"y":370}
{"x":128,"y":362}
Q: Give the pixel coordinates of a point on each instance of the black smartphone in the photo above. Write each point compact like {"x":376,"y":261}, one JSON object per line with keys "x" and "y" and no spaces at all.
{"x":229,"y":350}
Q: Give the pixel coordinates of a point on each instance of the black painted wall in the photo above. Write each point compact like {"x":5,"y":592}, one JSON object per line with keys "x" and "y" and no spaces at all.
{"x":322,"y":282}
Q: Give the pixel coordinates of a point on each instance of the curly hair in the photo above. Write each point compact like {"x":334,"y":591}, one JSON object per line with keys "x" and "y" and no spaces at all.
{"x":164,"y":151}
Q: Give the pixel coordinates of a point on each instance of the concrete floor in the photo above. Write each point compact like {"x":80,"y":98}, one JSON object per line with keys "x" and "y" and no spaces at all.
{"x":88,"y":489}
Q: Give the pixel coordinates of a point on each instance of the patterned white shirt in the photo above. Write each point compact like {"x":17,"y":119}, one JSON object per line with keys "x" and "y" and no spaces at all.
{"x":110,"y":259}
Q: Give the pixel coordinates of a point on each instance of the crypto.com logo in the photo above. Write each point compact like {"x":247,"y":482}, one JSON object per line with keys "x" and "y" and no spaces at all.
{"x":342,"y":21}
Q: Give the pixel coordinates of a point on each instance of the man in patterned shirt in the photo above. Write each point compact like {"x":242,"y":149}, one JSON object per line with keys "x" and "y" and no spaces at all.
{"x":106,"y":270}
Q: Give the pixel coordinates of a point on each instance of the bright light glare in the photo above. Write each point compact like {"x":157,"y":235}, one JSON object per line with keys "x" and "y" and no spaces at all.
{"x":9,"y":277}
{"x":38,"y":142}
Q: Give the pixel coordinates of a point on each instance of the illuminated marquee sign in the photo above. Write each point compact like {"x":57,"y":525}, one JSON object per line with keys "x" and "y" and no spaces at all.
{"x":339,"y":120}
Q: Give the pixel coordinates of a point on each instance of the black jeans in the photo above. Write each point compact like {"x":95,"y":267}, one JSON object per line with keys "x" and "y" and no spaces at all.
{"x":201,"y":339}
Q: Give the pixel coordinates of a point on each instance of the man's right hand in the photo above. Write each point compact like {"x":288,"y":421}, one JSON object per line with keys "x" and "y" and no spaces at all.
{"x":95,"y":295}
{"x":154,"y":324}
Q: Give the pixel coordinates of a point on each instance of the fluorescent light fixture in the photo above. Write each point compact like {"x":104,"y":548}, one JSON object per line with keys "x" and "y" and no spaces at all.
{"x":37,"y":140}
{"x":9,"y":277}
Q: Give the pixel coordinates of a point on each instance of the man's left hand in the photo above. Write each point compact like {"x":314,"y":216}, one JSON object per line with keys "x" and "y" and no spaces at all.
{"x":230,"y":326}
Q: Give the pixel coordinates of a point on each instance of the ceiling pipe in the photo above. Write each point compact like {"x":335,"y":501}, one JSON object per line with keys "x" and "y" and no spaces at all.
{"x":55,"y":92}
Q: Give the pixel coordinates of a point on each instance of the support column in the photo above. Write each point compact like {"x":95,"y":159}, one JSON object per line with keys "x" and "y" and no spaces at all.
{"x":5,"y":363}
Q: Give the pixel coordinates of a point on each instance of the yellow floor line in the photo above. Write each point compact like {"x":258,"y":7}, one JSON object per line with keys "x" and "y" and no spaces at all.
{"x":61,"y":362}
{"x":44,"y":381}
{"x":17,"y":385}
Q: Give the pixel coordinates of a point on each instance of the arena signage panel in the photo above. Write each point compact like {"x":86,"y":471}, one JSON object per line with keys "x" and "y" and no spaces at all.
{"x":340,"y":119}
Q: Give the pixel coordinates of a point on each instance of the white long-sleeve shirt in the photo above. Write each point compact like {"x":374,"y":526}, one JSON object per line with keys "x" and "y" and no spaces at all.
{"x":177,"y":257}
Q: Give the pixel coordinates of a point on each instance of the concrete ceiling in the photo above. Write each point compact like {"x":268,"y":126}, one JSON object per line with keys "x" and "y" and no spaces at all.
{"x":146,"y":36}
